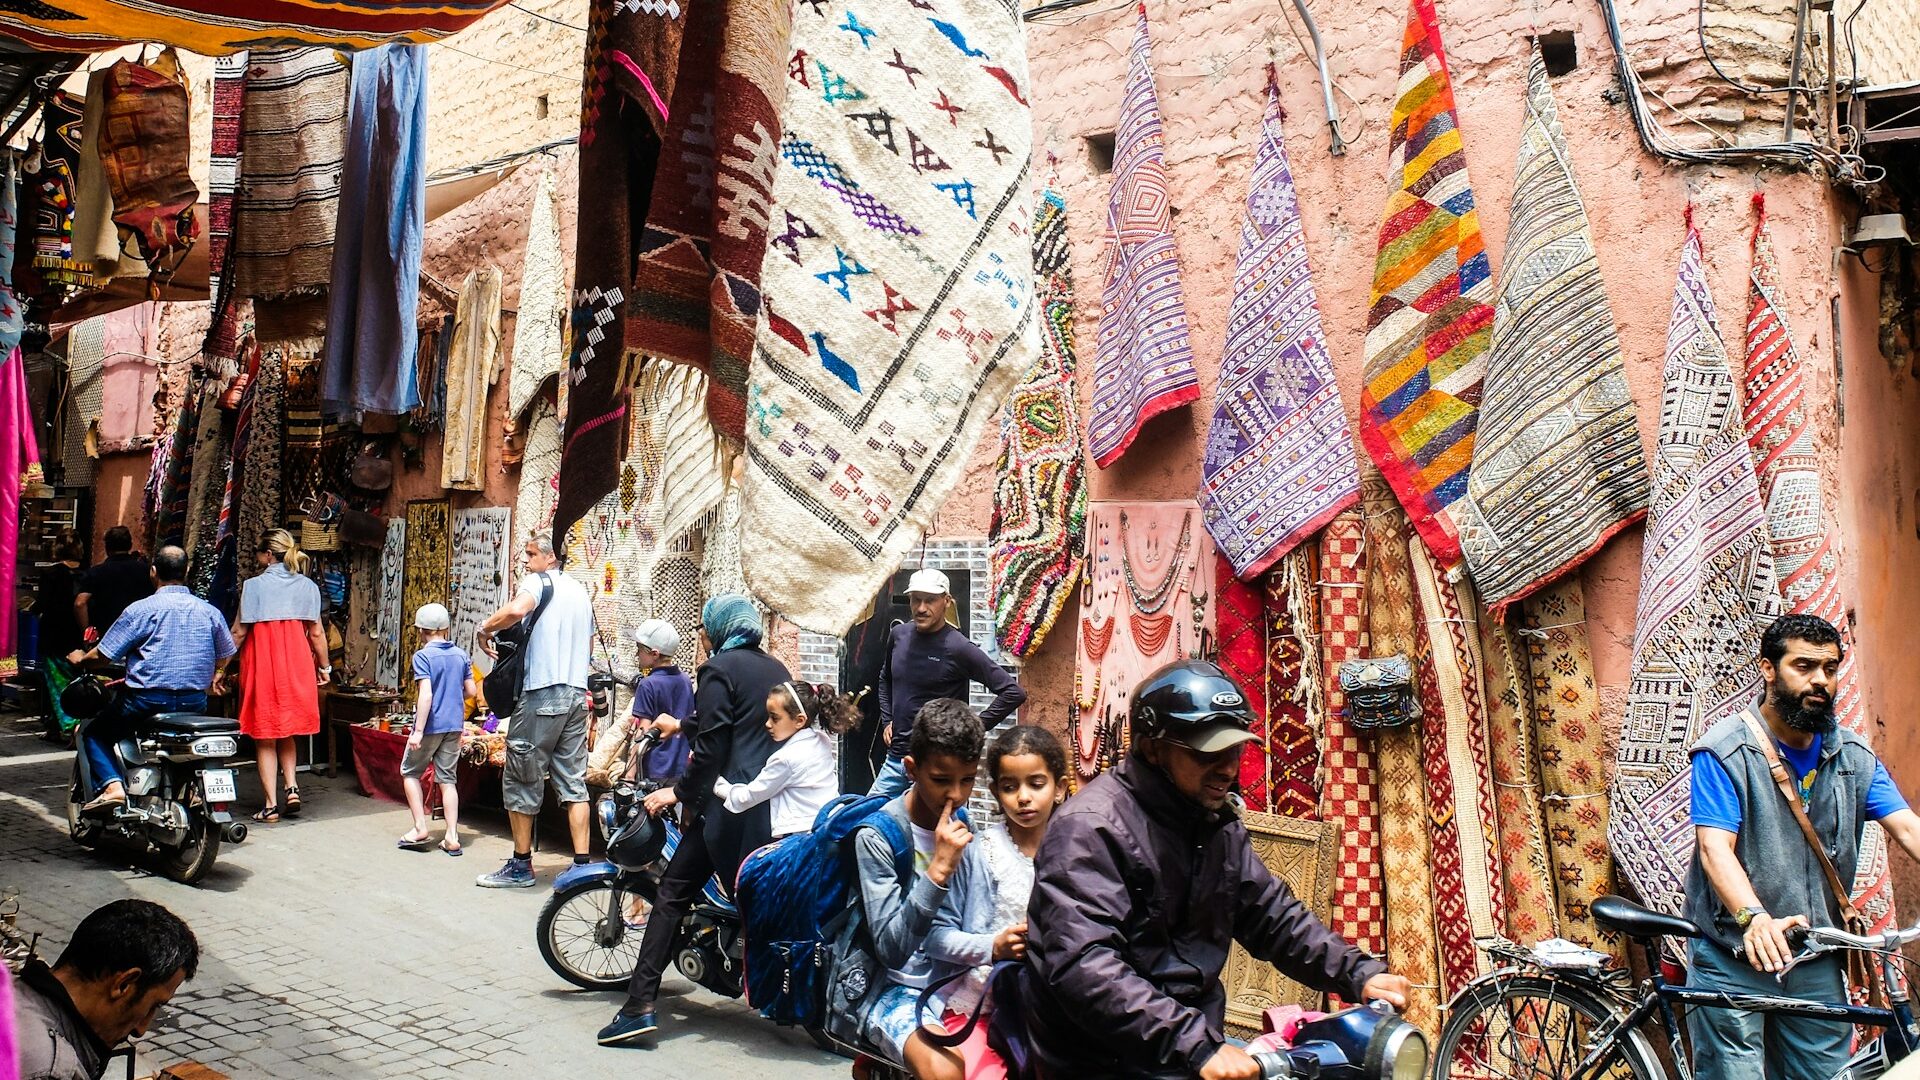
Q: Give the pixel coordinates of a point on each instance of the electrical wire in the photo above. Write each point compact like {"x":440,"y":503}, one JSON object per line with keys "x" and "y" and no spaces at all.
{"x":1700,"y":29}
{"x":575,"y":77}
{"x":544,"y":18}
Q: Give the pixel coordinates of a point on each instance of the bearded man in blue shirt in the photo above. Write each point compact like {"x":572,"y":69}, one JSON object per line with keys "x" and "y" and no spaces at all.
{"x":1743,"y":821}
{"x":175,"y":645}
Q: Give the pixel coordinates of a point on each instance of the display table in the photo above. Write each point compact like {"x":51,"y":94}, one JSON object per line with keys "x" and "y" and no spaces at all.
{"x":344,"y":708}
{"x":376,"y":762}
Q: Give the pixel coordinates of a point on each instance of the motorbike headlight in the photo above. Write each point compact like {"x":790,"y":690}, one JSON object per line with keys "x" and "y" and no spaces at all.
{"x":1370,"y":1042}
{"x":1405,"y":1051}
{"x":215,"y":746}
{"x":607,"y":813}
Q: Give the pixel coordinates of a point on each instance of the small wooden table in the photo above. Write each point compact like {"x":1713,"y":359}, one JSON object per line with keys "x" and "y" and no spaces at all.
{"x":345,"y":708}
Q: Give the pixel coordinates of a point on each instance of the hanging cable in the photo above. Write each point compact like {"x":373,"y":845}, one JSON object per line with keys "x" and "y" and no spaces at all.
{"x":544,"y":18}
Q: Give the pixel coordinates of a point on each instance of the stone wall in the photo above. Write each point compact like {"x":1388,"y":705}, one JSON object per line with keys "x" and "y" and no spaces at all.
{"x":509,"y":82}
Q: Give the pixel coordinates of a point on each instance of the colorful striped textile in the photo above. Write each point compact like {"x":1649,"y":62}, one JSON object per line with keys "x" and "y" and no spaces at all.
{"x":217,"y":27}
{"x":1570,"y":738}
{"x":223,"y":183}
{"x":633,"y":52}
{"x":899,"y":292}
{"x":1240,"y":635}
{"x":1526,"y":872}
{"x":1806,"y":545}
{"x":1469,"y":893}
{"x":1294,"y":715}
{"x":1406,"y":842}
{"x":1279,"y":461}
{"x":1557,"y":464}
{"x":294,"y":117}
{"x":696,"y":283}
{"x":1429,"y":320}
{"x":1039,"y":528}
{"x":1707,"y":591}
{"x":1144,"y":364}
{"x":1350,"y":797}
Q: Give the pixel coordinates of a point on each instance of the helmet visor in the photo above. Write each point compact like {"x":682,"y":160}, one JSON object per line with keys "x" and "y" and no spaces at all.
{"x":1213,"y":736}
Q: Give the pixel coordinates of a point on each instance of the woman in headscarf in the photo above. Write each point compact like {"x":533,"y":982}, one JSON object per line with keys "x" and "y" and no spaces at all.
{"x":730,"y":740}
{"x":283,"y":663}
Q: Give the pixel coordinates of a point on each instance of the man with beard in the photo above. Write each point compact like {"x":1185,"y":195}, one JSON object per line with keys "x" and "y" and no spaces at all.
{"x":1754,"y":874}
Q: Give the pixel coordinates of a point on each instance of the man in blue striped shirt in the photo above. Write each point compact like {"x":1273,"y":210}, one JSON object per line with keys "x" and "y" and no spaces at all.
{"x":174,"y":645}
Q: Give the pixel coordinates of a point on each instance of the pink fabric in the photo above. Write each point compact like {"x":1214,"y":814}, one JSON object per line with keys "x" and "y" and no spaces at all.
{"x":9,"y":1043}
{"x":19,"y":461}
{"x":1282,"y":1023}
{"x":130,"y":377}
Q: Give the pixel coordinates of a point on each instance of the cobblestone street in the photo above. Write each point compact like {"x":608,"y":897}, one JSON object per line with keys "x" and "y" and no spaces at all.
{"x":327,"y":952}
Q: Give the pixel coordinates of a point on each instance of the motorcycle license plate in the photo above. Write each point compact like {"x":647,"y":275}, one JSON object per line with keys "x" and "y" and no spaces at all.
{"x":218,"y":785}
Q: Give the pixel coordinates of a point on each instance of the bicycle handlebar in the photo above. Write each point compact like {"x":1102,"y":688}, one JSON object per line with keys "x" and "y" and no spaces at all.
{"x":1821,"y":940}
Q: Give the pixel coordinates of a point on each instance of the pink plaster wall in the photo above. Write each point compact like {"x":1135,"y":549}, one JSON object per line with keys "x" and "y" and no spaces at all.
{"x":1208,"y":60}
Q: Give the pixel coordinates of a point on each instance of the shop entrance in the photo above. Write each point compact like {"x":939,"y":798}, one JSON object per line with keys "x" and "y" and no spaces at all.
{"x":864,"y":654}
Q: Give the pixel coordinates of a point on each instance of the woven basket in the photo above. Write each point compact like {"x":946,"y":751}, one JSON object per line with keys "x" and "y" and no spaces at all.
{"x":318,"y":537}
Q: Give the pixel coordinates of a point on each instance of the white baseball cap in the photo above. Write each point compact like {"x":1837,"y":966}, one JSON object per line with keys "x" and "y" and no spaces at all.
{"x":432,"y":617}
{"x":929,"y":583}
{"x":658,"y":635}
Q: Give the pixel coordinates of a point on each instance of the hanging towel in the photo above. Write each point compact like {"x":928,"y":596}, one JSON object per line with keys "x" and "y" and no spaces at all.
{"x":375,"y":289}
{"x":1144,"y":364}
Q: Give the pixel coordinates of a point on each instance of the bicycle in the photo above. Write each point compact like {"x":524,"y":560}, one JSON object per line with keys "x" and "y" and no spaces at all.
{"x":1569,"y":1015}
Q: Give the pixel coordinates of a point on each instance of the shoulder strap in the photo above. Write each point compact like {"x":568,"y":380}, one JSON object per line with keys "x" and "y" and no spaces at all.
{"x":546,"y":597}
{"x":1791,"y":792}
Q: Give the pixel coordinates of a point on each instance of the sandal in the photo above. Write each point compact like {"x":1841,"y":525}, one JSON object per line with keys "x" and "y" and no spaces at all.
{"x":456,"y":850}
{"x":415,"y":843}
{"x":293,"y":802}
{"x":267,"y":815}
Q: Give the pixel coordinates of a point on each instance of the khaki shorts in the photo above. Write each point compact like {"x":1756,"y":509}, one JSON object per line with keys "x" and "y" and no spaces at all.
{"x":442,"y":751}
{"x":547,"y":740}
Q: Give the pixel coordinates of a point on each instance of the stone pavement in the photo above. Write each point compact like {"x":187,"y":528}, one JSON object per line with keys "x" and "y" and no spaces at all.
{"x":328,"y":952}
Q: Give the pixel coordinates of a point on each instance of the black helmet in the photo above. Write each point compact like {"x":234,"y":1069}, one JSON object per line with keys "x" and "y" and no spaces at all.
{"x":86,"y":696}
{"x":1193,"y":703}
{"x":637,"y":842}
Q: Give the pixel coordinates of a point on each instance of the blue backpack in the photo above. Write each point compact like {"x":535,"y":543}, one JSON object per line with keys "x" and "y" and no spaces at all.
{"x":794,"y":895}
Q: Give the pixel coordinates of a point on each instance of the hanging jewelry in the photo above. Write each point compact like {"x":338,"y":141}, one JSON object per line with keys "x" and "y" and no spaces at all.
{"x":1150,"y":632}
{"x":1150,"y":599}
{"x":1097,"y":639}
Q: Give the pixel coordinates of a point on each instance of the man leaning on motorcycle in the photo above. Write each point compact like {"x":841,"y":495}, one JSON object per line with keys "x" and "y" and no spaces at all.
{"x":174,"y":645}
{"x":1145,"y":880}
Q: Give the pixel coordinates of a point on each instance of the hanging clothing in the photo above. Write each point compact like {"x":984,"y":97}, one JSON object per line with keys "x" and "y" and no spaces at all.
{"x":375,"y":290}
{"x":146,"y":147}
{"x":470,"y":371}
{"x":19,"y":449}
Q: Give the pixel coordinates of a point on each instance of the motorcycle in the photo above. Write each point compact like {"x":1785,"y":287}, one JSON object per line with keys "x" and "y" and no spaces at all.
{"x":178,"y":808}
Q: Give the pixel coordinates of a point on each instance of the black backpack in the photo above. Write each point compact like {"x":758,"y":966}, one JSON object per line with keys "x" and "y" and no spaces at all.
{"x":502,"y":685}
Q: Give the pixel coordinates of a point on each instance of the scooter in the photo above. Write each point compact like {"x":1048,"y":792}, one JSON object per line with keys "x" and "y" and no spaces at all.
{"x":590,"y":929}
{"x":178,"y":810}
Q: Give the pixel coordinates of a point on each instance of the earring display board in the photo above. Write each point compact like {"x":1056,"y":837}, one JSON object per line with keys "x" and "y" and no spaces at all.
{"x":1302,"y":854}
{"x":479,"y":572}
{"x":428,"y":576}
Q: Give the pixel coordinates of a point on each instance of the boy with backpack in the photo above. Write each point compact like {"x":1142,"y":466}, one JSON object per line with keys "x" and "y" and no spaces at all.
{"x":904,"y":858}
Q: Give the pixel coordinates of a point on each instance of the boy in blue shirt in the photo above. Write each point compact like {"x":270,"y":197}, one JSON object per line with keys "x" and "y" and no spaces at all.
{"x":663,"y":698}
{"x":444,"y":674}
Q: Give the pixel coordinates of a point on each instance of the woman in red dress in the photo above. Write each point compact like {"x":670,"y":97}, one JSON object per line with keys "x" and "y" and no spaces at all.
{"x":283,"y":664}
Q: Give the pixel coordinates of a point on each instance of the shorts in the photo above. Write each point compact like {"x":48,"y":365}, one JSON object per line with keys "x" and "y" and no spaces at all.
{"x":442,"y":751}
{"x":894,"y":1016}
{"x":547,"y":741}
{"x":976,"y":1057}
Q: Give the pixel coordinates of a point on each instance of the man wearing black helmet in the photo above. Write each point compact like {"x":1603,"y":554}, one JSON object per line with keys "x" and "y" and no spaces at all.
{"x":1145,"y":880}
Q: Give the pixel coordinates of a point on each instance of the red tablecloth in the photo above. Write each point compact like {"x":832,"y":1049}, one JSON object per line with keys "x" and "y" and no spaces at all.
{"x":376,"y":760}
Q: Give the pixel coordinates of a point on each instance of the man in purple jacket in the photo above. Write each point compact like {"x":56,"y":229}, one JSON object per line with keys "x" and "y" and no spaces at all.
{"x":1145,"y":880}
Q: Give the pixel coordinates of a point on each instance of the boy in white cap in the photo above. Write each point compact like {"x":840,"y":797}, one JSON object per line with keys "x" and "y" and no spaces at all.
{"x":444,"y":674}
{"x":663,"y":696}
{"x":927,"y":659}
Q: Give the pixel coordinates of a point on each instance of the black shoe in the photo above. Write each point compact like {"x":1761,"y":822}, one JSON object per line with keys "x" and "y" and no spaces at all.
{"x":626,"y":1027}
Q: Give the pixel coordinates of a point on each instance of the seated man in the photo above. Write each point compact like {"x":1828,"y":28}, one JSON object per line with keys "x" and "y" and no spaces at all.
{"x":174,"y":645}
{"x":1742,"y":819}
{"x":126,"y":960}
{"x":1144,"y":881}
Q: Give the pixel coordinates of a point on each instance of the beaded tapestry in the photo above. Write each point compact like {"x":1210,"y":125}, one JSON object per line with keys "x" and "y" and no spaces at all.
{"x":390,"y":620}
{"x":1707,"y":591}
{"x":480,"y":563}
{"x":427,"y":575}
{"x":899,"y":298}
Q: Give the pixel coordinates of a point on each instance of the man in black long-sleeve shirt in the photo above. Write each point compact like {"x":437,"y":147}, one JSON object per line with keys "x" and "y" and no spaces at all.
{"x":927,"y":659}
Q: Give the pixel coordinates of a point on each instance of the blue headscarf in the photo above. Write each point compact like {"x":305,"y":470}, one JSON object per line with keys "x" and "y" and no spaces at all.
{"x":731,"y":622}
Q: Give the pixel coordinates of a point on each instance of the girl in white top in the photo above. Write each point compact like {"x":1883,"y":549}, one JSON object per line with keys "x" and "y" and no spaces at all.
{"x":801,"y":777}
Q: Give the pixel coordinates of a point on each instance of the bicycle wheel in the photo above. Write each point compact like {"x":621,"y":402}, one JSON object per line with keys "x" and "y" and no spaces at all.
{"x":1525,"y":1027}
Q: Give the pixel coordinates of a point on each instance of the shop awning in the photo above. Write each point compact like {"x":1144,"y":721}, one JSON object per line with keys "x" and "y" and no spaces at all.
{"x":218,"y":27}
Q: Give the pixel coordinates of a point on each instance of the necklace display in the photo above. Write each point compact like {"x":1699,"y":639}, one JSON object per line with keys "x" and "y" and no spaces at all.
{"x":1151,"y":632}
{"x":1149,"y":600}
{"x":1097,"y":639}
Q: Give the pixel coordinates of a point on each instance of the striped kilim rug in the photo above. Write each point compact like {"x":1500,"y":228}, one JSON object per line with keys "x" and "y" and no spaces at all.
{"x":1525,"y":869}
{"x":1406,"y":845}
{"x":1241,"y":637}
{"x":1295,"y":718}
{"x":1039,"y":528}
{"x":1144,"y":364}
{"x":1469,"y":893}
{"x":1571,"y":740}
{"x":295,"y":119}
{"x":1350,"y":797}
{"x":1279,"y":461}
{"x":1557,"y":463}
{"x":1806,"y":546}
{"x":1430,"y":313}
{"x":900,"y":308}
{"x":1707,"y":591}
{"x":223,"y":182}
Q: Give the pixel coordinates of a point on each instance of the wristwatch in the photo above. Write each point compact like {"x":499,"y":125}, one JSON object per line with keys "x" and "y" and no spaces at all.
{"x":1745,"y":916}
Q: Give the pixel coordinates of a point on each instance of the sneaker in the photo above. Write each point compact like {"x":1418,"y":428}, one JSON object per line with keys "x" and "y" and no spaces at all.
{"x":514,"y":875}
{"x":627,"y":1027}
